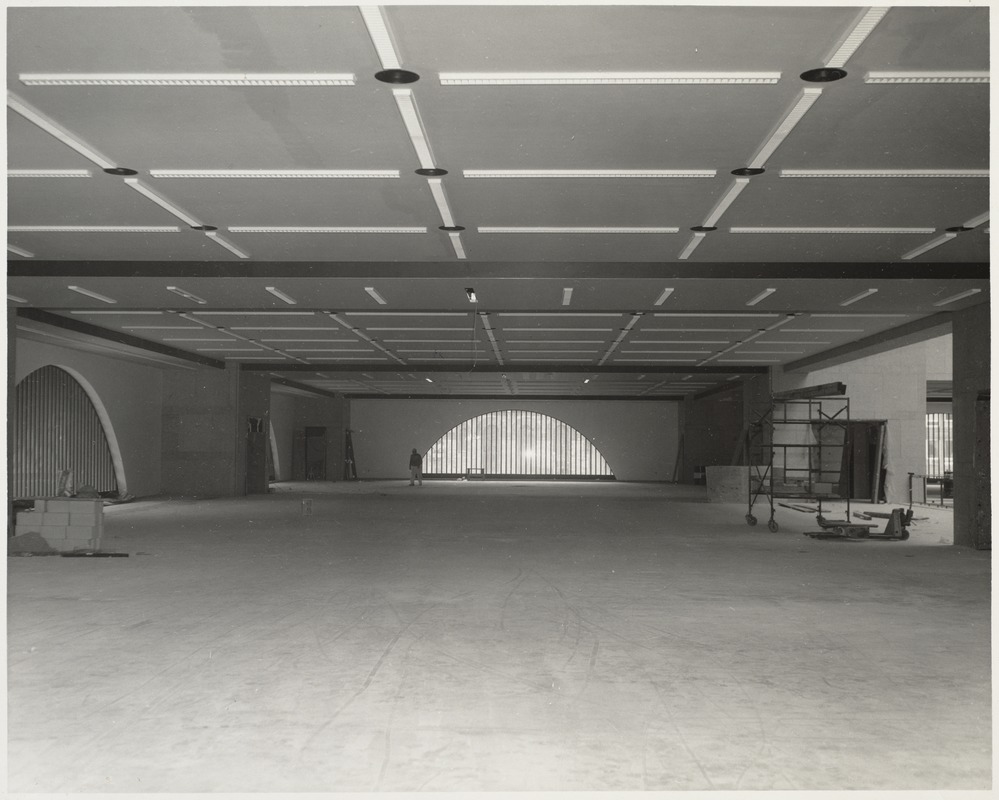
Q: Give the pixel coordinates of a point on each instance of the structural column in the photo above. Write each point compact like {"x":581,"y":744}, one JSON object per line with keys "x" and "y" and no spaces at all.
{"x":972,"y":470}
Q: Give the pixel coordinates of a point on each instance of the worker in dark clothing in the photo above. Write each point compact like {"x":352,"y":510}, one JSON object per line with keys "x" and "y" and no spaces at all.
{"x":415,"y":468}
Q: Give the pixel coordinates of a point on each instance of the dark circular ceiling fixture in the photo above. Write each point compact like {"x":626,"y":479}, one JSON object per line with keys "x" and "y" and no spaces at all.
{"x":396,"y":76}
{"x":748,"y":171}
{"x":431,"y":171}
{"x":451,"y":228}
{"x":704,"y":228}
{"x":120,"y":171}
{"x":823,"y":75}
{"x":958,"y":229}
{"x":204,"y":228}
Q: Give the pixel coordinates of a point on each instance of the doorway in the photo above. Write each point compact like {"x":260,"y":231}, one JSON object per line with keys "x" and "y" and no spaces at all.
{"x":315,"y":454}
{"x":866,"y":459}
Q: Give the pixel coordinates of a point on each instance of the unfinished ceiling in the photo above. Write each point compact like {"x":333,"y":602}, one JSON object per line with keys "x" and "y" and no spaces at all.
{"x":626,"y":201}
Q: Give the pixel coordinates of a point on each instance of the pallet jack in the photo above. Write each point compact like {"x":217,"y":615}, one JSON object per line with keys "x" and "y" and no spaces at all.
{"x":897,"y":528}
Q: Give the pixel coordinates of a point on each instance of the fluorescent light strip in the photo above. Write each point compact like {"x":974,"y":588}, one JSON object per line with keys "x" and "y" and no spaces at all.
{"x":852,"y":316}
{"x":187,"y":79}
{"x":88,"y":293}
{"x":620,"y":337}
{"x":226,"y":244}
{"x":459,"y":249}
{"x":346,"y":358}
{"x":93,"y":229}
{"x":163,"y":327}
{"x":768,"y":342}
{"x":19,"y":251}
{"x":488,"y":328}
{"x":406,"y":313}
{"x":259,"y":314}
{"x":929,"y":245}
{"x":373,"y":293}
{"x":656,"y":360}
{"x":414,"y":126}
{"x":691,"y":246}
{"x":189,"y":339}
{"x":177,"y":290}
{"x":603,"y":78}
{"x":737,"y":315}
{"x":793,"y":117}
{"x":329,"y":350}
{"x":274,"y":173}
{"x":229,"y":349}
{"x":400,"y":328}
{"x":48,"y":173}
{"x":663,"y":297}
{"x":974,"y":222}
{"x":161,"y":201}
{"x":381,"y":36}
{"x":276,"y":328}
{"x":555,"y":360}
{"x":686,"y":341}
{"x":437,"y":190}
{"x":529,"y":352}
{"x":770,"y":352}
{"x":560,"y":314}
{"x":952,"y":76}
{"x":833,"y":230}
{"x":575,"y":230}
{"x":554,"y":341}
{"x":861,"y":30}
{"x":957,"y":297}
{"x":120,"y":313}
{"x":761,"y":296}
{"x":663,"y":352}
{"x":15,"y":299}
{"x":559,"y":330}
{"x":298,"y":229}
{"x":749,"y":361}
{"x":726,"y":200}
{"x":567,"y":296}
{"x":281,"y":295}
{"x":884,"y":173}
{"x":31,"y":114}
{"x":362,"y":335}
{"x":589,"y":173}
{"x":696,"y":330}
{"x":822,"y":330}
{"x":856,"y":297}
{"x":314,"y":341}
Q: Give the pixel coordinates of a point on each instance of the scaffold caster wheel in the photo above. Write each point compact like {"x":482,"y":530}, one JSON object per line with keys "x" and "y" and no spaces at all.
{"x":750,"y":520}
{"x":774,"y":527}
{"x":903,"y":535}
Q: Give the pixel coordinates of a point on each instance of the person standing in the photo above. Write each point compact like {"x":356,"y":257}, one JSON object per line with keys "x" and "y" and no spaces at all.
{"x":415,"y":467}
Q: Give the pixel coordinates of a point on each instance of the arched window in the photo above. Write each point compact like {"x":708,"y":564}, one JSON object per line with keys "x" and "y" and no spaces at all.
{"x":56,"y":428}
{"x":515,"y":444}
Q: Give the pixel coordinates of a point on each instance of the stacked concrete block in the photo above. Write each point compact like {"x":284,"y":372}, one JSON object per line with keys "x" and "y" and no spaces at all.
{"x":66,"y":523}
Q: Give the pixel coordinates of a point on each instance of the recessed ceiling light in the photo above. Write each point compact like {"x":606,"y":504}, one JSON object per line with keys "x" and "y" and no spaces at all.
{"x":744,"y":171}
{"x":832,"y":230}
{"x":375,"y":295}
{"x":929,"y":245}
{"x":856,"y":297}
{"x":396,"y":76}
{"x":414,"y":126}
{"x":281,"y":295}
{"x":912,"y":76}
{"x":783,"y":130}
{"x":88,"y":293}
{"x":761,"y":296}
{"x":205,"y":227}
{"x":20,"y":251}
{"x":178,"y":291}
{"x":884,"y":173}
{"x":957,"y":297}
{"x":274,"y":173}
{"x":703,"y":228}
{"x":93,"y":228}
{"x":226,"y":244}
{"x":161,"y":201}
{"x":48,"y":173}
{"x":589,"y":173}
{"x":301,"y":229}
{"x":575,"y":230}
{"x":120,"y":171}
{"x":567,"y":295}
{"x":603,"y":78}
{"x":823,"y":75}
{"x":31,"y":114}
{"x":187,"y":79}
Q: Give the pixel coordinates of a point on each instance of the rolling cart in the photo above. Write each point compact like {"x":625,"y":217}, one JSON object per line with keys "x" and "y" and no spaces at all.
{"x":798,"y":449}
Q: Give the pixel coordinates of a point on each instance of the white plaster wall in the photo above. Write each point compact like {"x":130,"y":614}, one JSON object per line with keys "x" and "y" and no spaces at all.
{"x":132,"y":396}
{"x":638,"y":439}
{"x":940,"y":358}
{"x":283,"y":422}
{"x":889,"y":386}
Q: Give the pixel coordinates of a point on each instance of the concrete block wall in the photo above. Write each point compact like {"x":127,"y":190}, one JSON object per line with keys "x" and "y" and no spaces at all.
{"x":66,"y":523}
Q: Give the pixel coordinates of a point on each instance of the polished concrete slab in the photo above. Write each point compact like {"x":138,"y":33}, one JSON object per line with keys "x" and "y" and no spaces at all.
{"x":495,"y":637}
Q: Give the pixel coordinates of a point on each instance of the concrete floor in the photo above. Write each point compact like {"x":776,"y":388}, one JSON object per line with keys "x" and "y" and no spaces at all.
{"x":495,"y":637}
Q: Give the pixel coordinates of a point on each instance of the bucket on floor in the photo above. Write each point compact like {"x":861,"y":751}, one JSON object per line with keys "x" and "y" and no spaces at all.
{"x":306,"y":508}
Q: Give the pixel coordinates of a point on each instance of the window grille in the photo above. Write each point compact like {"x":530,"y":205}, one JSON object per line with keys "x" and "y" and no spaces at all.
{"x":515,"y":444}
{"x":939,"y":444}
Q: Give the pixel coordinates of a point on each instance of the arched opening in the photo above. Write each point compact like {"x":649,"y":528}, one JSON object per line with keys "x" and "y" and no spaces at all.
{"x":58,"y":426}
{"x":515,"y":444}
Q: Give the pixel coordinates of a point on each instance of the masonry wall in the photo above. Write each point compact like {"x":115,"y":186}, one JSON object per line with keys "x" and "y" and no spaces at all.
{"x":638,"y":439}
{"x":131,"y":397}
{"x":292,"y":413}
{"x":890,"y":386}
